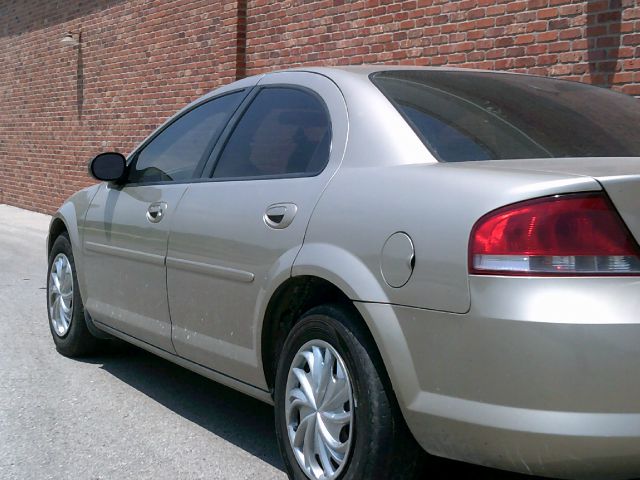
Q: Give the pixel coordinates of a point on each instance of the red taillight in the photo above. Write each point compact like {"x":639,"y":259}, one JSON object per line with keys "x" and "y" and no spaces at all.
{"x":575,"y":234}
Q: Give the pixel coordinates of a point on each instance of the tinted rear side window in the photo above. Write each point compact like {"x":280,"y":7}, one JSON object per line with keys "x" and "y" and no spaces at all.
{"x":285,"y":131}
{"x":462,"y":116}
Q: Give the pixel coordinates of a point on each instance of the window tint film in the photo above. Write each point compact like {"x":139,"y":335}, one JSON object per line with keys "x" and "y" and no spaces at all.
{"x":175,"y":154}
{"x":463,"y":116}
{"x":284,"y":131}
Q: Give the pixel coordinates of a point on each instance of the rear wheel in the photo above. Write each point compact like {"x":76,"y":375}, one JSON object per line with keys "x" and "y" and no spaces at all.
{"x":335,"y":419}
{"x":64,"y":305}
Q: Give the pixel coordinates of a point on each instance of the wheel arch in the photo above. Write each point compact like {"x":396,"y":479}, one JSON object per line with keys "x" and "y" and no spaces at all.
{"x":294,"y":297}
{"x":290,"y":300}
{"x":66,"y":219}
{"x":321,"y":273}
{"x":56,"y":228}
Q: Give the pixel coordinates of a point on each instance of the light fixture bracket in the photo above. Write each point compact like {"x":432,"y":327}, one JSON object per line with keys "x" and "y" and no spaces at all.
{"x":71,"y":38}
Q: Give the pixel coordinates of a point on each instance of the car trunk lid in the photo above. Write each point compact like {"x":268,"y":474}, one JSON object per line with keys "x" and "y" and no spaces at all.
{"x":624,"y":191}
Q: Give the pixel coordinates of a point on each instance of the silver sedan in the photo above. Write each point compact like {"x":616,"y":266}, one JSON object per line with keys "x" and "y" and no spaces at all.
{"x":399,"y":260}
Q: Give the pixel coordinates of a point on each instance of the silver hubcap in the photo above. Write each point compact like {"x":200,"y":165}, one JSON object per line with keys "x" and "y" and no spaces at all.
{"x":319,"y":410}
{"x":61,"y":294}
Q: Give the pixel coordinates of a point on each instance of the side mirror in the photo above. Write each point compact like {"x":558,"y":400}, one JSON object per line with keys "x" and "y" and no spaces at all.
{"x":108,"y":167}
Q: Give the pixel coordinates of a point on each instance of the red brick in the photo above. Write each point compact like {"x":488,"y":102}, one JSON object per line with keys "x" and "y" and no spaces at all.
{"x":548,"y":13}
{"x":547,"y":59}
{"x":524,"y":39}
{"x":497,"y":53}
{"x":504,"y":42}
{"x":632,"y":89}
{"x":631,"y":39}
{"x":547,"y":36}
{"x":559,"y":47}
{"x":538,"y":26}
{"x":536,"y":49}
{"x":505,"y":64}
{"x":632,"y":64}
{"x":622,"y":77}
{"x":516,"y":6}
{"x":571,"y":33}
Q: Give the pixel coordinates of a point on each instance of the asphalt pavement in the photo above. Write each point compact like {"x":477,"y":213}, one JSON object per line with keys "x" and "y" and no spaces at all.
{"x":124,"y":414}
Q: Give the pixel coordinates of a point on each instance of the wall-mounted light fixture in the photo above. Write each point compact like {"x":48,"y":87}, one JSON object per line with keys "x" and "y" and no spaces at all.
{"x":71,"y":39}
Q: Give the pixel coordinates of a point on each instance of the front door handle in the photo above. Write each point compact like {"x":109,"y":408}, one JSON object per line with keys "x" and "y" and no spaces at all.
{"x":280,"y":215}
{"x":156,"y":211}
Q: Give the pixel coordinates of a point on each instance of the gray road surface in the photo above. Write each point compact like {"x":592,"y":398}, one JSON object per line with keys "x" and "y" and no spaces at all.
{"x":125,"y":414}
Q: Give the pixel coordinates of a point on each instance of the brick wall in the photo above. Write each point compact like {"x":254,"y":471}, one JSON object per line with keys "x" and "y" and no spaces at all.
{"x":140,"y":60}
{"x":590,"y":41}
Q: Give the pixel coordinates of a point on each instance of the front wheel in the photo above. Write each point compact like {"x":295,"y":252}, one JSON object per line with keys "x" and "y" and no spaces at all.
{"x":335,"y":419}
{"x":64,"y":305}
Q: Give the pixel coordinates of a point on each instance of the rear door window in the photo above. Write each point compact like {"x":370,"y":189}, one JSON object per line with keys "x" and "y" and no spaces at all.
{"x":284,"y":132}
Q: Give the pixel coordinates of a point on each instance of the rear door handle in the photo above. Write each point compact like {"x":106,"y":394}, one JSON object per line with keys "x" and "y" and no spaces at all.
{"x":280,"y":215}
{"x":155,"y":212}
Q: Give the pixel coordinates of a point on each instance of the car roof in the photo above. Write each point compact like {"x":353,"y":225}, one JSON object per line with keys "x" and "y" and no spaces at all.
{"x":341,"y":75}
{"x":359,"y":74}
{"x":366,"y":70}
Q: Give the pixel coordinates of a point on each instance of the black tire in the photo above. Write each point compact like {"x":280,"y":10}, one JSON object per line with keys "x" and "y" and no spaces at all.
{"x":77,"y":341}
{"x":382,"y":446}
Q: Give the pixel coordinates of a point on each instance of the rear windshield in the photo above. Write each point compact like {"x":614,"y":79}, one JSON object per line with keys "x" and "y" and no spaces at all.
{"x":462,"y":116}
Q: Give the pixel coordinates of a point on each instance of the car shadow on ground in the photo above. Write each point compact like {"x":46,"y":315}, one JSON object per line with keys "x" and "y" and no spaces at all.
{"x":233,"y":416}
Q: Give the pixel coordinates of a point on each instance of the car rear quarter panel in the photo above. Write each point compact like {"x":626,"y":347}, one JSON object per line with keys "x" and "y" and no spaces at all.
{"x":435,"y":204}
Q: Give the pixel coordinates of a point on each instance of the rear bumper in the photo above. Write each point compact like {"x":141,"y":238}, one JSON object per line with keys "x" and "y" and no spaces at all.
{"x":541,"y":376}
{"x":552,"y":444}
